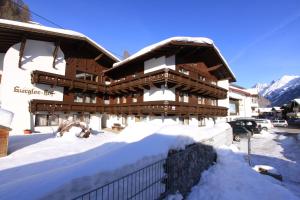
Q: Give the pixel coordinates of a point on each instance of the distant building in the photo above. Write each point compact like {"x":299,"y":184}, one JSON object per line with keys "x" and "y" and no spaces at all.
{"x":242,"y":102}
{"x":293,"y":109}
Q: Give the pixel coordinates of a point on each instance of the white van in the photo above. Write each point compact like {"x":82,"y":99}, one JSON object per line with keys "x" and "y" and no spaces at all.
{"x":281,"y":123}
{"x":265,"y":124}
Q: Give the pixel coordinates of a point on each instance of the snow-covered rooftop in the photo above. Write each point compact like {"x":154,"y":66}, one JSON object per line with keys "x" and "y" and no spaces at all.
{"x":55,"y":31}
{"x":297,"y":101}
{"x":196,"y":40}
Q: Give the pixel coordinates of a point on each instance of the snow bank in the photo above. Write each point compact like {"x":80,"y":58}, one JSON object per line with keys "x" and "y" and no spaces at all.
{"x":231,"y":178}
{"x":57,"y":164}
{"x":5,"y":118}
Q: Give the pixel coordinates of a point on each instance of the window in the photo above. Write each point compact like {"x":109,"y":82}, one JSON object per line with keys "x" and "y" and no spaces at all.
{"x":184,"y":71}
{"x":213,"y":102}
{"x":78,"y":97}
{"x":201,"y":78}
{"x":134,"y":98}
{"x":118,"y":100}
{"x":106,"y":99}
{"x":86,"y":76}
{"x":53,"y":120}
{"x":201,"y":100}
{"x":233,"y":106}
{"x":46,"y":120}
{"x":84,"y":98}
{"x":184,"y":97}
{"x":124,"y":100}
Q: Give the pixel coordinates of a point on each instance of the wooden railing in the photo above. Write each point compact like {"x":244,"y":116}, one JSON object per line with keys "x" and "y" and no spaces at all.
{"x":60,"y":80}
{"x":180,"y":80}
{"x":154,"y":107}
{"x":54,"y":106}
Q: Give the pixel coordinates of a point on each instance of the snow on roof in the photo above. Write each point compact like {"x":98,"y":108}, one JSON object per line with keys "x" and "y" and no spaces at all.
{"x":198,"y":40}
{"x":252,"y":91}
{"x":64,"y":32}
{"x":297,"y":101}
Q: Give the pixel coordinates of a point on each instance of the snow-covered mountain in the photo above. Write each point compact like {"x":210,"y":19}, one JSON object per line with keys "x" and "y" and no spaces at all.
{"x":280,"y":91}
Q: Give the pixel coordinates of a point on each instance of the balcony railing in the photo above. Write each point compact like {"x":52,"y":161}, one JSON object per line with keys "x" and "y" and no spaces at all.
{"x":165,"y":76}
{"x":166,"y":108}
{"x":60,"y":80}
{"x":54,"y":106}
{"x":148,"y":108}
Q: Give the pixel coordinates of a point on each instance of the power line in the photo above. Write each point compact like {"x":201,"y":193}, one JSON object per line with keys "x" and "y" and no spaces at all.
{"x":34,"y":13}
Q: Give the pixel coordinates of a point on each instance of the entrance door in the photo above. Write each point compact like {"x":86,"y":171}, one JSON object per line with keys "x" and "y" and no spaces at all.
{"x":104,"y":121}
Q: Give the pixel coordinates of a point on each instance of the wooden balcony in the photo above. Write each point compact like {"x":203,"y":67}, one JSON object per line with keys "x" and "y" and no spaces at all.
{"x":59,"y":106}
{"x":167,"y":108}
{"x":170,"y":77}
{"x":60,"y":80}
{"x":145,"y":108}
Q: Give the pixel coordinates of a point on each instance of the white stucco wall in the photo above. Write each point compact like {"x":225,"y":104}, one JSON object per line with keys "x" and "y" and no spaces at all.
{"x":224,"y":102}
{"x":155,"y":64}
{"x":245,"y":104}
{"x":159,"y":94}
{"x":16,"y":84}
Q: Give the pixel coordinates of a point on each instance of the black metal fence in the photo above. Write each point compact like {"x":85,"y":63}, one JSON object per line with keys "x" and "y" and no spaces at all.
{"x":146,"y":183}
{"x":181,"y":169}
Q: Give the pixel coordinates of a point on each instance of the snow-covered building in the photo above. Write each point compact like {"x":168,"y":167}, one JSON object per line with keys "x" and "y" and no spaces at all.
{"x":50,"y":75}
{"x":242,"y":102}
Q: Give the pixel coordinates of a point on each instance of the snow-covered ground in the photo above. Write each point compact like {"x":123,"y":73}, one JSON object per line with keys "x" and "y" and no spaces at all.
{"x":280,"y":149}
{"x":231,"y":178}
{"x":43,"y":166}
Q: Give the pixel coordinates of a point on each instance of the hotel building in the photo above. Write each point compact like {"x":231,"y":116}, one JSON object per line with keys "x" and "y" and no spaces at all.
{"x":50,"y":75}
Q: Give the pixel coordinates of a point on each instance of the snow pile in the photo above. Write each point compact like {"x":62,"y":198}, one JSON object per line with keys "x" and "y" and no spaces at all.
{"x":268,"y":168}
{"x":231,"y":178}
{"x":57,"y":165}
{"x":5,"y":118}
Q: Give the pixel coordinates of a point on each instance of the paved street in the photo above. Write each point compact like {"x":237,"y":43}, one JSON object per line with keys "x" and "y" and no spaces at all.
{"x":279,"y":148}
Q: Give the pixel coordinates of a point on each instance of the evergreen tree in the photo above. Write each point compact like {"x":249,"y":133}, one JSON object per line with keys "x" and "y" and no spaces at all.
{"x":14,"y":10}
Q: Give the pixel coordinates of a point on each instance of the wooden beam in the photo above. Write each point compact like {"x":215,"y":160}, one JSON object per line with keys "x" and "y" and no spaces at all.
{"x":54,"y":55}
{"x":21,"y":52}
{"x":214,"y":67}
{"x":99,"y":56}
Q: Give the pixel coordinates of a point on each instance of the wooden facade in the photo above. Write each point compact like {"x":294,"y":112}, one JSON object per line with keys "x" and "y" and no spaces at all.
{"x":122,"y":93}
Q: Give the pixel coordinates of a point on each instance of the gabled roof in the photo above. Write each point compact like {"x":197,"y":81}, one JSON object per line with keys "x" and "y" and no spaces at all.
{"x":297,"y":101}
{"x":178,"y":42}
{"x":49,"y":31}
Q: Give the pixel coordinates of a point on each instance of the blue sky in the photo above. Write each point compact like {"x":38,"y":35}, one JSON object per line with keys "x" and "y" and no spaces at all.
{"x":260,"y":39}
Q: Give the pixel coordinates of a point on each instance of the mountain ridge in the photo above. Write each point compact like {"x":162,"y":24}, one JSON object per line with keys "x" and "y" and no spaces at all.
{"x":280,"y":91}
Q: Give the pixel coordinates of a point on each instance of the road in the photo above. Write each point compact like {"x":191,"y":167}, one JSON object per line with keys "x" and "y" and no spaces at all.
{"x":279,"y":148}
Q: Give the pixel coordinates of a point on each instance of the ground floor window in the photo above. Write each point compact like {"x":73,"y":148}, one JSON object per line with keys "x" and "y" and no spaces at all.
{"x":233,"y":106}
{"x":46,"y":120}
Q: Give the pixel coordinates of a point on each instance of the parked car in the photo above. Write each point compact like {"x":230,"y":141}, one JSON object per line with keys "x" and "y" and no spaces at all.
{"x":250,"y":124}
{"x":281,"y":123}
{"x":265,"y":124}
{"x":238,"y":131}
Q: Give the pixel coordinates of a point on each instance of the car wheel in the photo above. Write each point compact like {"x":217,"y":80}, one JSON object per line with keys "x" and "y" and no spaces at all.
{"x":265,"y":128}
{"x":237,"y":138}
